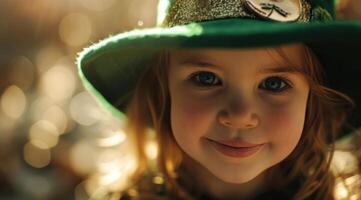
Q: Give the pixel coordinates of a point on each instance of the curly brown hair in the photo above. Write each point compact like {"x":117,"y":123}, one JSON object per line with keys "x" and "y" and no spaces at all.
{"x":326,"y":112}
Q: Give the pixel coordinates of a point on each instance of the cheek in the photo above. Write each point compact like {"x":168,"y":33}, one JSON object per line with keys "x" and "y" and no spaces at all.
{"x":186,"y":114}
{"x":190,"y":118}
{"x":284,"y":125}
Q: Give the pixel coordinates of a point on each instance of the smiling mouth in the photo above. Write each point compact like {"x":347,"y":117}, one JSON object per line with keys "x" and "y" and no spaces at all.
{"x":235,"y":148}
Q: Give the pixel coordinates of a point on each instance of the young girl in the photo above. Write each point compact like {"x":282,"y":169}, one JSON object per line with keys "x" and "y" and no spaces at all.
{"x":246,"y":97}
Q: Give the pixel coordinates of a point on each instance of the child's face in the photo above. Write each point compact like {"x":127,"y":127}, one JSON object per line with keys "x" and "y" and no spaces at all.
{"x":219,"y":94}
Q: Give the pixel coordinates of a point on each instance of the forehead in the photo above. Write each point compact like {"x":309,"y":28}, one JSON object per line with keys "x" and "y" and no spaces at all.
{"x":292,"y":54}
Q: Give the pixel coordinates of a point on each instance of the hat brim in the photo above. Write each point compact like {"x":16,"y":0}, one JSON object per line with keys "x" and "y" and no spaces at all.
{"x":110,"y":68}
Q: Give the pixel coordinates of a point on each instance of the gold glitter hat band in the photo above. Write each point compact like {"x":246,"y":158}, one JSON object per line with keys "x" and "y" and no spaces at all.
{"x":182,"y":12}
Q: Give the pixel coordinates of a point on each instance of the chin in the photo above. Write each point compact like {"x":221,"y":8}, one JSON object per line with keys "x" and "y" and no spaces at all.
{"x":234,"y":177}
{"x":237,"y":179}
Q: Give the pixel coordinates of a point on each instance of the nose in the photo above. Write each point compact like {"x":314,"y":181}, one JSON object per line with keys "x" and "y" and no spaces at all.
{"x":239,"y":114}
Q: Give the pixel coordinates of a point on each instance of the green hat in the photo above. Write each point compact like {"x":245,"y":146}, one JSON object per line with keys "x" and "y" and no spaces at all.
{"x":110,"y":68}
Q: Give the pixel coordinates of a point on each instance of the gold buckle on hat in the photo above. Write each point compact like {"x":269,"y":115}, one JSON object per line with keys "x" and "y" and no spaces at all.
{"x":276,"y":10}
{"x":187,"y":11}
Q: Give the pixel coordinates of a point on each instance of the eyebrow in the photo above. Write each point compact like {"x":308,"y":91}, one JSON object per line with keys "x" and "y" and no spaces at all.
{"x":280,"y":69}
{"x":196,"y":62}
{"x":283,"y":69}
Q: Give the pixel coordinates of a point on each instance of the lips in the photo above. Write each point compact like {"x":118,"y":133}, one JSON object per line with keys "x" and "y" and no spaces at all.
{"x":235,"y":148}
{"x":236,"y":143}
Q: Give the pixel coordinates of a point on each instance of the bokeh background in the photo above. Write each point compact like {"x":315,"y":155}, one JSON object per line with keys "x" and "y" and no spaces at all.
{"x":55,"y":142}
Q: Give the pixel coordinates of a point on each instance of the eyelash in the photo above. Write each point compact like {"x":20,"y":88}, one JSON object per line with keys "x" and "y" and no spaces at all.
{"x":285,"y":81}
{"x":194,"y":78}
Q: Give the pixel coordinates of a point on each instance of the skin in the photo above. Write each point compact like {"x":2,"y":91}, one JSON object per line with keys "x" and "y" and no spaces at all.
{"x":239,"y":99}
{"x":349,"y":9}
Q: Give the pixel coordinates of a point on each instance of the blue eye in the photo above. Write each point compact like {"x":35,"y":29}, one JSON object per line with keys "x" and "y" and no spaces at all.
{"x":274,"y":84}
{"x":205,"y":79}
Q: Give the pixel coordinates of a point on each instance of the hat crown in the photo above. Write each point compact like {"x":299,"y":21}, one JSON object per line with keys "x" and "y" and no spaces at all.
{"x":321,"y":10}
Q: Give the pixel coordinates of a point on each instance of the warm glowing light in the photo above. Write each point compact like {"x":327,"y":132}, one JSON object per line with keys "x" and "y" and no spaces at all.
{"x":116,"y":179}
{"x":111,"y":177}
{"x":142,"y":12}
{"x":341,"y":191}
{"x":13,"y":102}
{"x":45,"y":132}
{"x":355,"y":197}
{"x":83,"y":157}
{"x":113,"y":140}
{"x":353,"y":180}
{"x":40,"y":144}
{"x":344,"y":162}
{"x":158,"y":180}
{"x":118,"y":172}
{"x":84,"y":109}
{"x":151,"y":150}
{"x":39,"y":106}
{"x":108,"y":166}
{"x":109,"y":160}
{"x":36,"y":157}
{"x":97,"y":191}
{"x":58,"y":83}
{"x":47,"y":57}
{"x":75,"y":29}
{"x":56,"y":116}
{"x":140,"y":23}
{"x":132,"y":192}
{"x":92,"y":186}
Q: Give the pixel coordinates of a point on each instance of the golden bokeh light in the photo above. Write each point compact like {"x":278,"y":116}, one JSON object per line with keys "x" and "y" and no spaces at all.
{"x":341,"y":191}
{"x":84,"y":109}
{"x":151,"y":150}
{"x":142,"y":16}
{"x":109,"y":160}
{"x":36,"y":157}
{"x":38,"y":106}
{"x":140,"y":23}
{"x":44,"y":108}
{"x":112,"y":139}
{"x":158,"y":180}
{"x":111,"y":177}
{"x":82,"y":157}
{"x":151,"y":147}
{"x":13,"y":102}
{"x":348,"y":189}
{"x":56,"y":116}
{"x":96,"y":191}
{"x":113,"y":173}
{"x":47,"y":56}
{"x":58,"y":83}
{"x":114,"y":178}
{"x":45,"y":133}
{"x":40,"y":144}
{"x":344,"y":162}
{"x":75,"y":29}
{"x":355,"y":197}
{"x":91,"y":186}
